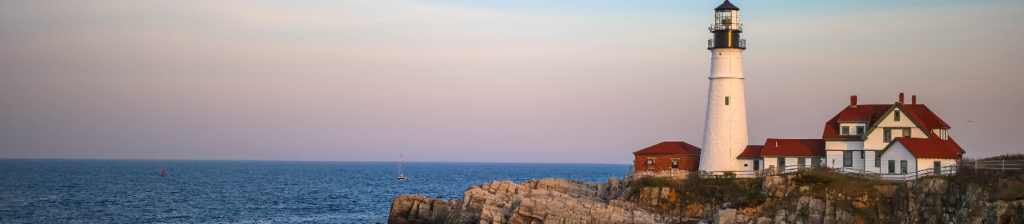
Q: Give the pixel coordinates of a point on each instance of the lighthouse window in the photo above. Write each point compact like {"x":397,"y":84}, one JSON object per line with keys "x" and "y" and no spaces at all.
{"x":724,"y":17}
{"x":727,"y":101}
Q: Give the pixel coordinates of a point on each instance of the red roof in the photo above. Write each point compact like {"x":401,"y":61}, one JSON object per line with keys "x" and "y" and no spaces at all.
{"x":871,"y":113}
{"x":931,"y":147}
{"x":924,"y":116}
{"x":752,"y":151}
{"x":793,"y":147}
{"x":670,"y":148}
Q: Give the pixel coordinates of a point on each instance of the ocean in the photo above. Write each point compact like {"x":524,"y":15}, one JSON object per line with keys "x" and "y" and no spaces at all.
{"x":132,"y":191}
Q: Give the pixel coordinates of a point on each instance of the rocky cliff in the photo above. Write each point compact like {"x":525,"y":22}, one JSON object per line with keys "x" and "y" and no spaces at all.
{"x":532,"y":201}
{"x":798,"y":198}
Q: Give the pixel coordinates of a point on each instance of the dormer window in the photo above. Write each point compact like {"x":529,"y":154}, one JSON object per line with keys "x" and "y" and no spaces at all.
{"x":860,"y":130}
{"x":846,"y":130}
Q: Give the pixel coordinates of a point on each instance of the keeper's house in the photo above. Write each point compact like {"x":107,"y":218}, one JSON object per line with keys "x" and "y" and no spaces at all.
{"x":889,"y":138}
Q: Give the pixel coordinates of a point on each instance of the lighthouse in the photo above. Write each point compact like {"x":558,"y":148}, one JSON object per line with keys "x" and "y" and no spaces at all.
{"x":725,"y":124}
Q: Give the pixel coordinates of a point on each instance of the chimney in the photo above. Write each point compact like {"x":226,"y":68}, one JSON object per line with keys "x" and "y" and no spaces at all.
{"x":913,"y":99}
{"x":901,"y":98}
{"x":853,"y":101}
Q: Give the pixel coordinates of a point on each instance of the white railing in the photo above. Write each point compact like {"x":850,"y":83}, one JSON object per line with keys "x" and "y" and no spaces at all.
{"x":773,"y":171}
{"x":999,"y":164}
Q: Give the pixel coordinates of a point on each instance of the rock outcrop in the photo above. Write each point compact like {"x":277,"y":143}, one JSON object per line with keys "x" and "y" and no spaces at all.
{"x":532,"y":201}
{"x":785,"y":200}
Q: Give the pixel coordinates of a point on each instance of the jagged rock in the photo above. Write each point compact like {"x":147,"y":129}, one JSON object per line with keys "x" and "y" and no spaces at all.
{"x":418,"y":209}
{"x":780,"y":216}
{"x":816,"y":210}
{"x":927,"y":200}
{"x":533,"y":201}
{"x":742,"y":219}
{"x":726,"y":216}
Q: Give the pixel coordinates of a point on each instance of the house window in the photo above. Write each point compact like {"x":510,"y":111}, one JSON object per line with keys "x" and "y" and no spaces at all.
{"x":896,"y":115}
{"x":887,"y":135}
{"x":782,"y":162}
{"x":860,"y":130}
{"x":675,"y":163}
{"x":892,"y":166}
{"x":937,"y":167}
{"x":757,"y":164}
{"x":878,"y":159}
{"x":650,"y":163}
{"x":815,"y":162}
{"x":903,"y":166}
{"x":847,"y":158}
{"x":861,"y":154}
{"x":801,"y":162}
{"x":846,"y":130}
{"x":727,"y":101}
{"x":906,"y":133}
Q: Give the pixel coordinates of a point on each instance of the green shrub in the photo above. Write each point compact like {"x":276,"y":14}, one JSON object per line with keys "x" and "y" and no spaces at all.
{"x":639,"y":184}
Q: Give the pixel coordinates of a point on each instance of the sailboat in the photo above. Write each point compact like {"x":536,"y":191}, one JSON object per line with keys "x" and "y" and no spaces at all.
{"x":400,"y":176}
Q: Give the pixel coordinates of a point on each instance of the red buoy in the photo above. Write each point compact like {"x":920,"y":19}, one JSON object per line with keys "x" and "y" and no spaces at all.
{"x":163,"y":173}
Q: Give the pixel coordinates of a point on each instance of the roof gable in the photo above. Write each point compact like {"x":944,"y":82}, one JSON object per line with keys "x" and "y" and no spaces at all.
{"x":869,"y":113}
{"x":670,"y":147}
{"x":929,"y":147}
{"x":751,"y":151}
{"x":919,"y":114}
{"x":793,"y":147}
{"x":913,"y":118}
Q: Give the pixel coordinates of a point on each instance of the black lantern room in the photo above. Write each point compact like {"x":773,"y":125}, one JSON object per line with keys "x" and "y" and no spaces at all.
{"x":727,"y":28}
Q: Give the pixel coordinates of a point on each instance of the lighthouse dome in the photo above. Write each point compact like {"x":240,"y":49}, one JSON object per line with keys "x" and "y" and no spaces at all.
{"x":727,"y":6}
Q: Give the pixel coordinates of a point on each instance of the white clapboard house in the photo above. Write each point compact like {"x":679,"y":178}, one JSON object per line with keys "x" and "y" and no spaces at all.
{"x":888,"y":139}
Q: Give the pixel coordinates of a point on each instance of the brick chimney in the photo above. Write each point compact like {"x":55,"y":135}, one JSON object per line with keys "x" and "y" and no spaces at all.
{"x":901,"y":98}
{"x":853,"y":101}
{"x":913,"y":99}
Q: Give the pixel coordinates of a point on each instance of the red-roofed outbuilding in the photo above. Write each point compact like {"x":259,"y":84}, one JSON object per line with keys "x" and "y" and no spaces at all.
{"x":667,"y":155}
{"x":750,"y":158}
{"x":780,"y":152}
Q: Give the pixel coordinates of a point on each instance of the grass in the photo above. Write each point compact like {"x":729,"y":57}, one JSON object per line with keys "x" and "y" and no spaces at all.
{"x":1004,"y":185}
{"x":698,"y":189}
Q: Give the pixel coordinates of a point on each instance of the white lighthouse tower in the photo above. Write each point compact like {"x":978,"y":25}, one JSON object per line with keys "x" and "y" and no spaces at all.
{"x":725,"y":125}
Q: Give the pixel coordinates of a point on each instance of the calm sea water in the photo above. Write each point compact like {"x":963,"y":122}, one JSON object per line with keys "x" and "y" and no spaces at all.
{"x":132,"y":191}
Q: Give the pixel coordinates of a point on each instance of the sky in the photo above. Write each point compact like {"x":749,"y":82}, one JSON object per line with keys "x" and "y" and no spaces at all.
{"x":479,"y":81}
